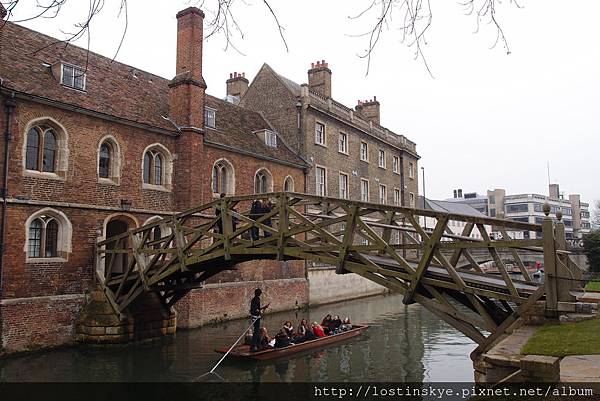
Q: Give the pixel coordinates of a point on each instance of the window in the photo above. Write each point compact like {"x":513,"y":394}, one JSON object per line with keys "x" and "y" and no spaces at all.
{"x":382,"y":194}
{"x":47,"y":235}
{"x":412,"y":199}
{"x":493,"y":200}
{"x":263,"y":182}
{"x":271,"y":139}
{"x":364,"y":151}
{"x":210,"y":117}
{"x":41,"y":149}
{"x":104,"y":161}
{"x":395,"y":240}
{"x":343,"y":185}
{"x":320,"y":134}
{"x":517,"y":208}
{"x":396,"y":164}
{"x":321,"y":181}
{"x":492,"y":212}
{"x":288,"y":184}
{"x":343,"y":143}
{"x":381,"y":158}
{"x":364,"y":190}
{"x":411,"y":170}
{"x":73,"y":77}
{"x":157,"y":166}
{"x":396,"y":197}
{"x":223,"y":178}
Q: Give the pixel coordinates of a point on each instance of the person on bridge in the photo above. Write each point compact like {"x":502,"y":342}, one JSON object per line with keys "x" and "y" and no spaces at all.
{"x":255,"y":213}
{"x":256,"y":312}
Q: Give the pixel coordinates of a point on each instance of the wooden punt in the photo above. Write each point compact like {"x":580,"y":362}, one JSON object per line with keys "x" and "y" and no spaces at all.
{"x":243,"y":351}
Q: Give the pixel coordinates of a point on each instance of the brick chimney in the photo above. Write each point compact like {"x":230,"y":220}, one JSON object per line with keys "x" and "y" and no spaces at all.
{"x":186,"y":90}
{"x":186,"y":108}
{"x":3,"y":11}
{"x":237,"y":84}
{"x":554,"y":191}
{"x":319,"y":78}
{"x":368,"y":109}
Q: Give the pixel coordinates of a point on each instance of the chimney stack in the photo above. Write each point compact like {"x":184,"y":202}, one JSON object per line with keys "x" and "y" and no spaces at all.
{"x":554,"y":191}
{"x":186,"y":90}
{"x":237,"y":84}
{"x":369,"y":110}
{"x":319,"y":78}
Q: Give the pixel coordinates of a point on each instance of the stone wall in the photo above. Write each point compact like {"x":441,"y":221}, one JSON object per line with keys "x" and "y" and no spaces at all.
{"x":326,"y":286}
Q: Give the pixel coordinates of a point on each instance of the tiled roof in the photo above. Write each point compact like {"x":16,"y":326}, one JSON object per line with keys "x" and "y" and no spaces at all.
{"x":118,"y":90}
{"x":450,"y":207}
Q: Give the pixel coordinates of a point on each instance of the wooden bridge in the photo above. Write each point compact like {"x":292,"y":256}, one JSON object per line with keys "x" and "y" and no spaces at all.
{"x":386,"y":244}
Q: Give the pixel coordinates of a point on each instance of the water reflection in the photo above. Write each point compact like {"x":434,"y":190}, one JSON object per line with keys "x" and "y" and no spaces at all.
{"x":404,"y":343}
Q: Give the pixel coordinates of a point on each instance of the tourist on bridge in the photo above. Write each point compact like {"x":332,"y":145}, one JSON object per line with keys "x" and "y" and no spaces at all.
{"x":267,"y":207}
{"x":255,"y":213}
{"x":218,"y":215}
{"x":256,"y":312}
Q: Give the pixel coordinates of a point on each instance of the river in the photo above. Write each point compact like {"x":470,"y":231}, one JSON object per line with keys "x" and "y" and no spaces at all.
{"x":404,"y":343}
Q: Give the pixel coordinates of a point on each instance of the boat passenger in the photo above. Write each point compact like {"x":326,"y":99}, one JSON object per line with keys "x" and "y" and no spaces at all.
{"x":346,"y":325}
{"x":326,"y":323}
{"x":265,"y":340}
{"x":337,"y":322}
{"x":282,"y":339}
{"x":318,"y":330}
{"x":302,"y":328}
{"x":289,"y":329}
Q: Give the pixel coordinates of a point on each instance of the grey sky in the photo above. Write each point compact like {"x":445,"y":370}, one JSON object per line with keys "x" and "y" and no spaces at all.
{"x":486,"y":120}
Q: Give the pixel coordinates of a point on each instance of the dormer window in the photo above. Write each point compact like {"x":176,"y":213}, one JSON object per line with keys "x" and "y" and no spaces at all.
{"x":210,"y":117}
{"x":73,"y":77}
{"x":271,"y":139}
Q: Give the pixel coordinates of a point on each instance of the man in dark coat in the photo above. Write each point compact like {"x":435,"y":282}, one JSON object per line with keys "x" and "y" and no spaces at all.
{"x":256,"y":312}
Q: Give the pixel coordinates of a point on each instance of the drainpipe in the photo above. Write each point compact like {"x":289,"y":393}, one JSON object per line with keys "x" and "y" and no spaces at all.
{"x":9,"y":105}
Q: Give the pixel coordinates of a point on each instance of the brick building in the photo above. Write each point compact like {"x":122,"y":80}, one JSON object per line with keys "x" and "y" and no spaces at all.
{"x":349,"y":153}
{"x":92,"y":148}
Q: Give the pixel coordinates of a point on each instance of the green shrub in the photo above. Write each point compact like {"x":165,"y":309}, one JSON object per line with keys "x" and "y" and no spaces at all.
{"x":591,"y":248}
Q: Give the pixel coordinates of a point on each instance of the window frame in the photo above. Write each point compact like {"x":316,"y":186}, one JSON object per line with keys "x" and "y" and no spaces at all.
{"x":268,"y":185}
{"x":41,"y":131}
{"x":411,"y":199}
{"x":366,"y":151}
{"x":347,"y":189}
{"x":60,"y":240}
{"x":365,"y":197}
{"x":343,"y":144}
{"x":381,"y":162}
{"x":411,"y":170}
{"x":324,"y":134}
{"x":324,"y":183}
{"x":383,"y":200}
{"x":82,"y":73}
{"x":396,"y":164}
{"x":270,"y":139}
{"x":166,"y":168}
{"x":207,"y":112}
{"x":397,"y":199}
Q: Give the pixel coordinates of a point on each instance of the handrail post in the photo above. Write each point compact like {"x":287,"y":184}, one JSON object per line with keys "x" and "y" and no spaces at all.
{"x":549,"y":263}
{"x":563,"y":283}
{"x":283,"y":225}
{"x":227,"y":225}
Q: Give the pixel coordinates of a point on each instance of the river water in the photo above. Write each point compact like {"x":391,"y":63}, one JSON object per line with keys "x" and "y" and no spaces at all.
{"x":404,"y":343}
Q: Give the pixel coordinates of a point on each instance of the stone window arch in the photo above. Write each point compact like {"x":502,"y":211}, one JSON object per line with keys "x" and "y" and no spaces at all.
{"x":157,"y":167}
{"x":288,"y":184}
{"x":263,"y":181}
{"x":45,"y":151}
{"x":47,"y":236}
{"x":159,"y":231}
{"x":223,"y":178}
{"x":109,"y":160}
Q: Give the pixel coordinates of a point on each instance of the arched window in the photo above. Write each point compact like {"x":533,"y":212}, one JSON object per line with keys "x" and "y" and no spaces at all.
{"x":156,"y":235}
{"x":43,"y":237}
{"x":41,"y":149}
{"x":223,"y":178}
{"x":154,"y":167}
{"x":288,"y":184}
{"x":104,"y":161}
{"x":262,"y":182}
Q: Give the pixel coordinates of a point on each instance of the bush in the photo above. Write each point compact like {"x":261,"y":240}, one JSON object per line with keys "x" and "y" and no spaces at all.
{"x":591,"y":248}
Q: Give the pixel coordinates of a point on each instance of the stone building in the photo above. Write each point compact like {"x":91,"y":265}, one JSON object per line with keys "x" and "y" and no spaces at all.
{"x":92,"y":148}
{"x":349,"y":153}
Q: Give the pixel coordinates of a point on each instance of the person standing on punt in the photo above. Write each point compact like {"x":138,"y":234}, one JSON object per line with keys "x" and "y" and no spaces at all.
{"x":256,"y":312}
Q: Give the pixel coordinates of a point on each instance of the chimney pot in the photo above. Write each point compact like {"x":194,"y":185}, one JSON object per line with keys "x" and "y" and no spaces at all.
{"x":323,"y":62}
{"x":319,"y":78}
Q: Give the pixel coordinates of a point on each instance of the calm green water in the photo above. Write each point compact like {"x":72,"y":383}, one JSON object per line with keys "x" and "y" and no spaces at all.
{"x":404,"y":343}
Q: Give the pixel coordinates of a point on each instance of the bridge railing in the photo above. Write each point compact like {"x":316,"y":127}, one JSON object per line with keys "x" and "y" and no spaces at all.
{"x":440,"y":260}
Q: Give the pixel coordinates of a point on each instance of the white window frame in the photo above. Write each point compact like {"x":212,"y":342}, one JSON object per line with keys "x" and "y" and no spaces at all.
{"x":364,"y":197}
{"x":207,"y":117}
{"x":270,"y":139}
{"x":383,"y":200}
{"x":318,"y":184}
{"x":396,"y":164}
{"x":397,"y":196}
{"x":411,"y":198}
{"x":343,"y":144}
{"x":381,"y":158}
{"x":76,"y":71}
{"x":324,"y":134}
{"x":411,"y":170}
{"x":342,"y":195}
{"x":366,"y":151}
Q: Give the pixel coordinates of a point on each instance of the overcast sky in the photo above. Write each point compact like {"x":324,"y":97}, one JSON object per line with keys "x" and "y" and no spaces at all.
{"x":486,"y":120}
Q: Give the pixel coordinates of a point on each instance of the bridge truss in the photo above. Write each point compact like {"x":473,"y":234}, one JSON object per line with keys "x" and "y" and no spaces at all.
{"x":389,"y":245}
